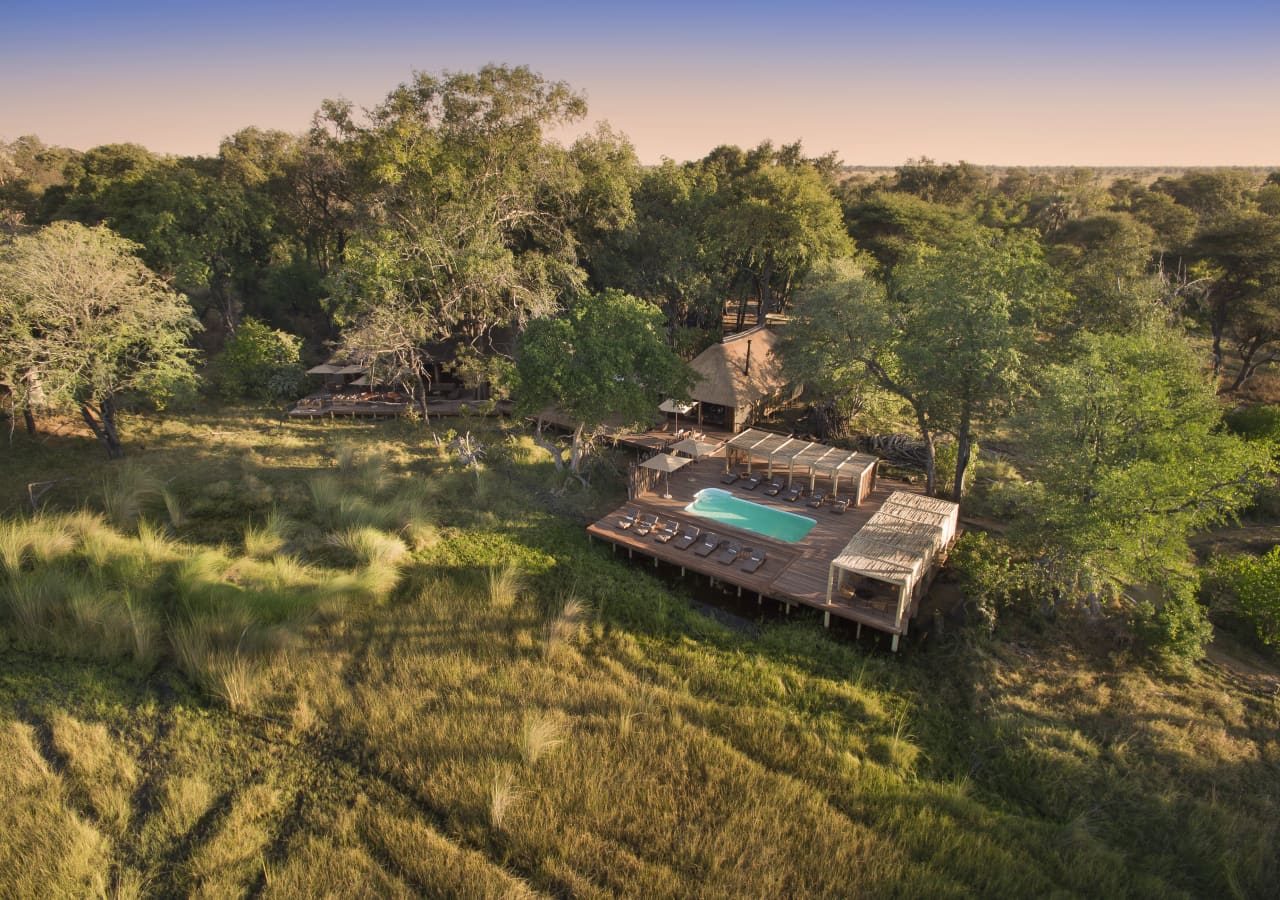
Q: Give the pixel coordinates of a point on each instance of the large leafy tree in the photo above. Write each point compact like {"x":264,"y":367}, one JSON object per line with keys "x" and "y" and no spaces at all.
{"x":1127,"y":457}
{"x":1237,"y":270}
{"x":462,"y":226}
{"x":84,"y":322}
{"x":773,"y":226}
{"x":605,"y":359}
{"x":738,"y":223}
{"x":846,"y":330}
{"x":969,"y":318}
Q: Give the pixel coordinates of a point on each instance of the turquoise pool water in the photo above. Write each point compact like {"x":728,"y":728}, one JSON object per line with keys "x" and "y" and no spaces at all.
{"x":722,"y":506}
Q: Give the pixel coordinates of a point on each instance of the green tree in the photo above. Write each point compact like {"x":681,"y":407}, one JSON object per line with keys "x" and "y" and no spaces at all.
{"x":845,"y":330}
{"x":969,"y":318}
{"x":1124,"y":447}
{"x":1105,"y":262}
{"x":85,"y":321}
{"x":890,"y":226}
{"x":259,"y":362}
{"x":461,"y":222}
{"x":1237,"y":270}
{"x":604,"y":359}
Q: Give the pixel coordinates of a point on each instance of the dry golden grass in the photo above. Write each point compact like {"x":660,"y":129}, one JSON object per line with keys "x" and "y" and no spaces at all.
{"x":519,"y":714}
{"x":47,"y":849}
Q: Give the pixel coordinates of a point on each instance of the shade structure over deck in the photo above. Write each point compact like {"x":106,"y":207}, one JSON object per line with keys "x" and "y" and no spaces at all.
{"x":324,"y":369}
{"x":694,"y":448}
{"x":666,"y":463}
{"x":805,"y":456}
{"x":679,"y":407}
{"x":897,"y":548}
{"x":351,"y":370}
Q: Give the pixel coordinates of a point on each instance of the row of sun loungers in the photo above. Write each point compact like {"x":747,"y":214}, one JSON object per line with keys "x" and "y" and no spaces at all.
{"x":776,"y":488}
{"x":727,"y":552}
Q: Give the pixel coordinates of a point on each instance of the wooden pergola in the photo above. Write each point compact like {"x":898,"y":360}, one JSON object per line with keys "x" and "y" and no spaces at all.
{"x":899,"y":547}
{"x":804,"y":456}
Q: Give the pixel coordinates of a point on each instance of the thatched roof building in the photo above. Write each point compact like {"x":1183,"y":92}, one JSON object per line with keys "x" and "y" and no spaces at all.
{"x":738,"y":379}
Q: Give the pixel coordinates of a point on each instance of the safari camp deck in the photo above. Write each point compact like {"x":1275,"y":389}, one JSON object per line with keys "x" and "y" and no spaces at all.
{"x":326,"y":406}
{"x":793,"y":573}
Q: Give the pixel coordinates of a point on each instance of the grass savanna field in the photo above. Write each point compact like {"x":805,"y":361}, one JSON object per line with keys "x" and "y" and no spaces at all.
{"x":298,"y":659}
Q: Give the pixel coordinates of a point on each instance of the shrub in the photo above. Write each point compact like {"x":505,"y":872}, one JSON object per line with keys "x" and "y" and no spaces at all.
{"x":259,"y":363}
{"x":989,"y":574}
{"x":1255,"y":422}
{"x":1248,"y":587}
{"x":1175,"y":627}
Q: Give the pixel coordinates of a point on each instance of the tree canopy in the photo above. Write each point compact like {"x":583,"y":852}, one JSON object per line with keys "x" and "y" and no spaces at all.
{"x":84,"y":322}
{"x":604,"y":359}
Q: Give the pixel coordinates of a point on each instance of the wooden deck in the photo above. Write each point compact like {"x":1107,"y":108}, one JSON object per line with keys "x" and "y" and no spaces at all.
{"x":328,"y":407}
{"x":793,"y":573}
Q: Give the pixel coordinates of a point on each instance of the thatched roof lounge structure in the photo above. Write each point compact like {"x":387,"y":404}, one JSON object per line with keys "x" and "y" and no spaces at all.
{"x":897,"y":548}
{"x":738,"y":379}
{"x":806,"y":457}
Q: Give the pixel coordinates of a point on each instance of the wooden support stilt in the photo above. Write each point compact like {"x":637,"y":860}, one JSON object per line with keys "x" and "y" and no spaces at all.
{"x":826,"y":620}
{"x":858,"y":633}
{"x":739,"y":590}
{"x":682,"y":571}
{"x":630,"y":553}
{"x":655,"y":562}
{"x":788,"y":609}
{"x":894,"y":645}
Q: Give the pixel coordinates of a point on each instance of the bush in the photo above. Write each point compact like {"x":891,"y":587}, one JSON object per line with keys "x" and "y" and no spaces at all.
{"x":1248,"y":588}
{"x":1175,"y":626}
{"x":259,"y":363}
{"x":1254,"y":423}
{"x":989,"y":574}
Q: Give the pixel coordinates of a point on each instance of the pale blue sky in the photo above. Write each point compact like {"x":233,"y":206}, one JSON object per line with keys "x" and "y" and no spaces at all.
{"x":1085,"y":83}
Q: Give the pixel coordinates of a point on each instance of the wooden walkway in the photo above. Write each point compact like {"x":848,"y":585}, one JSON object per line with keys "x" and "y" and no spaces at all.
{"x":793,"y":573}
{"x":334,"y":407}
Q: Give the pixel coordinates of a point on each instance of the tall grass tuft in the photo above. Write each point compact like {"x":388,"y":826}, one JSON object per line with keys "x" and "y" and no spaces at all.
{"x":504,"y":584}
{"x":13,"y":547}
{"x":567,"y":624}
{"x":129,"y":493}
{"x":370,"y":547}
{"x":235,"y":679}
{"x":503,"y":795}
{"x":268,"y":538}
{"x":173,"y":507}
{"x":371,"y":470}
{"x":154,"y":544}
{"x":345,"y":457}
{"x":541,"y":733}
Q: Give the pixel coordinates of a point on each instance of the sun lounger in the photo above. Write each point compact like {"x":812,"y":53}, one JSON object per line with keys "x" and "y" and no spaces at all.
{"x":646,"y":523}
{"x":728,"y":477}
{"x":839,"y":506}
{"x":628,"y":518}
{"x":666,"y":532}
{"x":773,"y":488}
{"x":751,"y":482}
{"x":729,"y":553}
{"x":687,"y":537}
{"x":709,"y":542}
{"x":793,"y":494}
{"x":754,"y":561}
{"x":817,"y":499}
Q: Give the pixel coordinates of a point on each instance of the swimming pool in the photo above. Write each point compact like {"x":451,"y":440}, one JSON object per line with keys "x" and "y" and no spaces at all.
{"x":722,"y":506}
